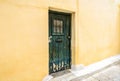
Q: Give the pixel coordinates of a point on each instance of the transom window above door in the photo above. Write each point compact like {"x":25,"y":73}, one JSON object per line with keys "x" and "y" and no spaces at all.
{"x":57,"y":27}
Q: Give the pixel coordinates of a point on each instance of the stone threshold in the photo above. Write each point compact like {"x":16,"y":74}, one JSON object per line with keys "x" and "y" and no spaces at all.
{"x":84,"y":72}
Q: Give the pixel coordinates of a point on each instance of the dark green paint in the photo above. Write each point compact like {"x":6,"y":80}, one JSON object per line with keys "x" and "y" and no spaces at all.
{"x":60,"y":43}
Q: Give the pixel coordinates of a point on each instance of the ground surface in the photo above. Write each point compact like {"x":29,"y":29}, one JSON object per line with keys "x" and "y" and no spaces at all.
{"x":111,"y":73}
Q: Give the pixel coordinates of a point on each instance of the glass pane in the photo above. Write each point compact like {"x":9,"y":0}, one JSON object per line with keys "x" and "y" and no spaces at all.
{"x":61,"y":27}
{"x":58,"y":27}
{"x":55,"y":26}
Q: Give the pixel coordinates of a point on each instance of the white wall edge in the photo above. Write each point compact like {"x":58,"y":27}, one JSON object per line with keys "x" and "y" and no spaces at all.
{"x":47,"y":78}
{"x":77,"y":67}
{"x":81,"y":70}
{"x":96,"y":66}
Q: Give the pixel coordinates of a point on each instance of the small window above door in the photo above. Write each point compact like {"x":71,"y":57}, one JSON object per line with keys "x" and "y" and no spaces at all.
{"x":57,"y":27}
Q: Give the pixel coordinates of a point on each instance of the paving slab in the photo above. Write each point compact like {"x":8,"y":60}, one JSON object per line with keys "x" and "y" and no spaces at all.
{"x":101,"y":77}
{"x":111,"y":73}
{"x":90,"y":79}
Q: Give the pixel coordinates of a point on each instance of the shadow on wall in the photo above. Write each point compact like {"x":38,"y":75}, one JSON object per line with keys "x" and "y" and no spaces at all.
{"x":118,"y":21}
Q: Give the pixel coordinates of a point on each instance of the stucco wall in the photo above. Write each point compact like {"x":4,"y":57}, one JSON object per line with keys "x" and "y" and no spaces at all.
{"x":23,"y":41}
{"x":98,"y":30}
{"x":24,"y":29}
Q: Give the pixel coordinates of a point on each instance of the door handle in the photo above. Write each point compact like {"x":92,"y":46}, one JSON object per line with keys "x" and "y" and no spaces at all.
{"x":50,"y":39}
{"x":68,"y":37}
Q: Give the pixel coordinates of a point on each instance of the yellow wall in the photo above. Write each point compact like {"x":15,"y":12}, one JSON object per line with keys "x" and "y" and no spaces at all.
{"x":24,"y":30}
{"x":98,"y":30}
{"x":23,"y":41}
{"x":118,"y":25}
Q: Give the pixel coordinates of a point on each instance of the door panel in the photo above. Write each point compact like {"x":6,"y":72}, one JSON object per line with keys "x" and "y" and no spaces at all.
{"x":59,"y":41}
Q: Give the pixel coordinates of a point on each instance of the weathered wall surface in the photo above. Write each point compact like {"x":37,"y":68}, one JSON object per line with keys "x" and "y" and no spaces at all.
{"x":98,"y":30}
{"x":23,"y":40}
{"x":24,"y":29}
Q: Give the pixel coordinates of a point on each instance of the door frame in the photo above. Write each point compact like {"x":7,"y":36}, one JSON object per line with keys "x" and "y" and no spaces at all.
{"x":67,"y":14}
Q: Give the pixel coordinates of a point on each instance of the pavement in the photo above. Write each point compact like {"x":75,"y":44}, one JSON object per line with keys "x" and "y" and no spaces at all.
{"x":112,"y":73}
{"x":106,"y":70}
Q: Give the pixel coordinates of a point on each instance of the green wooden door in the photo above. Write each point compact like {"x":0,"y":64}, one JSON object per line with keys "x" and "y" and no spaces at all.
{"x":59,"y":41}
